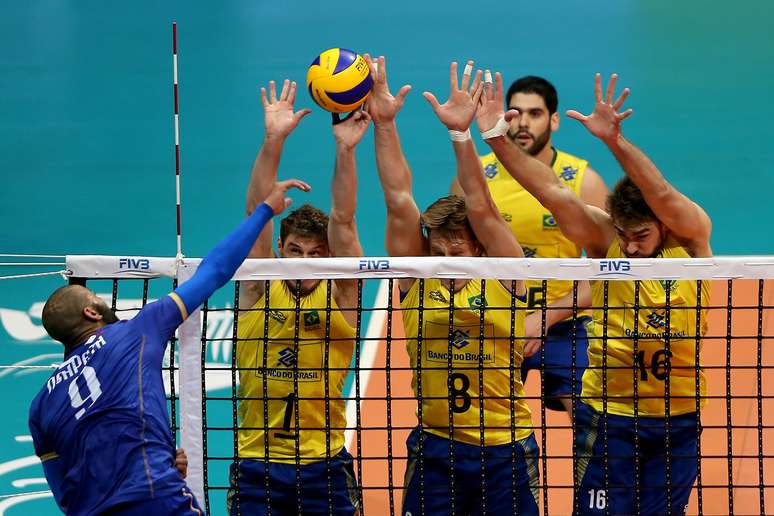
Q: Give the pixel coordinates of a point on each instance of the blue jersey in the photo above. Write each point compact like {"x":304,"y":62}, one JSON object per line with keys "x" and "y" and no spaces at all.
{"x":100,"y":424}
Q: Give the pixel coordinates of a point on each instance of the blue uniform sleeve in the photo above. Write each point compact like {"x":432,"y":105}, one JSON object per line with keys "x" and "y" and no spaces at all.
{"x":52,"y":464}
{"x":161,"y":317}
{"x":222,"y":262}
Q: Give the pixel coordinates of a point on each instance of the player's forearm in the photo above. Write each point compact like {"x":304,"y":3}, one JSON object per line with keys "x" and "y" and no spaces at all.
{"x":470,"y":174}
{"x":641,"y":170}
{"x":562,"y":308}
{"x":344,"y":185}
{"x":533,"y":175}
{"x":224,"y":259}
{"x":264,"y":173}
{"x":394,"y":172}
{"x":342,"y":229}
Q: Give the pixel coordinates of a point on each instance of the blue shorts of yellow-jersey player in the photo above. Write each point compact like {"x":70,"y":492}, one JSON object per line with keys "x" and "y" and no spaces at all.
{"x":509,"y":484}
{"x":177,"y":504}
{"x":659,"y":479}
{"x":282,"y":495}
{"x":558,"y":360}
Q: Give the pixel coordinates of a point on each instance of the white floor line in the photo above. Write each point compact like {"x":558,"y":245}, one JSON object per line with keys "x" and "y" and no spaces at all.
{"x":367,"y":358}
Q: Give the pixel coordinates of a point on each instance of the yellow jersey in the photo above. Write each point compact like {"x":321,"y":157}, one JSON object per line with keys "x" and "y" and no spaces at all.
{"x":270,"y":358}
{"x":456,"y":392}
{"x":534,"y":226}
{"x":653,"y":361}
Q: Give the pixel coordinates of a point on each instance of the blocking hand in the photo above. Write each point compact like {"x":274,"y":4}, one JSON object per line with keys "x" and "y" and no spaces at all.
{"x":458,"y":111}
{"x":279,"y":120}
{"x":277,"y":198}
{"x":605,"y":121}
{"x":381,"y":104}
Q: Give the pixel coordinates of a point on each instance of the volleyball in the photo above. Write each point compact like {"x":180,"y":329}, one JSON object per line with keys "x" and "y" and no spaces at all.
{"x":339,"y":80}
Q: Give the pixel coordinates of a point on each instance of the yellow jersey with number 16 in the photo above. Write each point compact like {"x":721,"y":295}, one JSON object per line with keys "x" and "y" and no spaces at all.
{"x":533,"y":225}
{"x":653,"y":362}
{"x":271,"y":365}
{"x":455,"y":392}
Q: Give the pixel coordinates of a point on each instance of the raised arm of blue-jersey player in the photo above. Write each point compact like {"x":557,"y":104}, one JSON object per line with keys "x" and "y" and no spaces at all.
{"x":403,"y":236}
{"x":343,"y":238}
{"x":279,"y":120}
{"x":684,"y":218}
{"x":224,"y":259}
{"x":588,"y":226}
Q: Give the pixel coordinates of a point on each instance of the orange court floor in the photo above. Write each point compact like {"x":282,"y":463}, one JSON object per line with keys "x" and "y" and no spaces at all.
{"x":730,"y":463}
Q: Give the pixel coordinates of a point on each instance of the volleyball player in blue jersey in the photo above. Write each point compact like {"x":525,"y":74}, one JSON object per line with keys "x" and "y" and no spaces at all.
{"x":100,"y":424}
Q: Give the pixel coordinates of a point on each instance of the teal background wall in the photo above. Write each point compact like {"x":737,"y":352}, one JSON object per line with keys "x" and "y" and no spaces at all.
{"x":86,"y":135}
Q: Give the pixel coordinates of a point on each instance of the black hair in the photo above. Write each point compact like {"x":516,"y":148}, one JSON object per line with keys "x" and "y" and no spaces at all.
{"x":538,"y":86}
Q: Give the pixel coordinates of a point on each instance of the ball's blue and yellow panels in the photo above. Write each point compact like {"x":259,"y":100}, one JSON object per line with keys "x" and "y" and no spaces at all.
{"x":87,"y":161}
{"x":339,"y":80}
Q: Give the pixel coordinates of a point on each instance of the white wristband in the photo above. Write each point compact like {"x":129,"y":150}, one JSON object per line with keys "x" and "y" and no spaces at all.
{"x":459,"y":136}
{"x":500,"y":128}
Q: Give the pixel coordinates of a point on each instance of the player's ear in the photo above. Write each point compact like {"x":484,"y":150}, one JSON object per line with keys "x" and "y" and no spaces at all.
{"x":91,"y":313}
{"x":555,"y":122}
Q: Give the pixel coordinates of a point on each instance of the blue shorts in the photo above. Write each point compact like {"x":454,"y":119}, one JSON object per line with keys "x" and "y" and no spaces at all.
{"x":177,"y":504}
{"x":510,"y":477}
{"x":621,"y":496}
{"x":283,"y":495}
{"x":557,"y":350}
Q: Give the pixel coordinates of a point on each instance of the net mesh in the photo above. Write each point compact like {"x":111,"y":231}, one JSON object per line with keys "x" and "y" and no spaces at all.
{"x":385,"y":395}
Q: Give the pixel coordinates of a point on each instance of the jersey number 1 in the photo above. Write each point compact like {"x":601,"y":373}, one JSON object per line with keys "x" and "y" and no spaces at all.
{"x":93,"y":386}
{"x":290,"y":402}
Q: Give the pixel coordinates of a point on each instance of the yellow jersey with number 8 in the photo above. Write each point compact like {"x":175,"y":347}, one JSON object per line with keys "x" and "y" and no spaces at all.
{"x":653,"y":362}
{"x":533,"y":225}
{"x":271,"y":365}
{"x":455,"y":391}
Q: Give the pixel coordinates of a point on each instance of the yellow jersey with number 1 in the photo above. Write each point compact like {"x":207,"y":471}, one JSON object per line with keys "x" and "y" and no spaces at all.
{"x":271,"y":359}
{"x":653,"y":362}
{"x":456,"y":392}
{"x":533,"y":225}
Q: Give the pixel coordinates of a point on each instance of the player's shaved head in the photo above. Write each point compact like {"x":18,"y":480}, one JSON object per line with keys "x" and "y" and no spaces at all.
{"x":63,"y":313}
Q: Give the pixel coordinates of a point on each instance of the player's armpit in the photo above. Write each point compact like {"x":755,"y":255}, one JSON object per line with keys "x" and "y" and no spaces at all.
{"x":593,"y":189}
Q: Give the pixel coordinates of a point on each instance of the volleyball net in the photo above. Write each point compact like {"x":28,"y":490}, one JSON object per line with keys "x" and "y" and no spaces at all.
{"x":368,"y":392}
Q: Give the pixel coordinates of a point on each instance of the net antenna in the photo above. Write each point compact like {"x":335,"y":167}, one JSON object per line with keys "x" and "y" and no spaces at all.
{"x":179,"y":253}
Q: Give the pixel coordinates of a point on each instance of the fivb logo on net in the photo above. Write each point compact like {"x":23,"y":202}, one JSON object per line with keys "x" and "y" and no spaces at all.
{"x":374,"y":265}
{"x":614,"y":268}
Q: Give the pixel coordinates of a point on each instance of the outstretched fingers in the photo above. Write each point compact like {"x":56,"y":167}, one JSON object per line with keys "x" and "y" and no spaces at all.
{"x":292,"y":92}
{"x":285,"y":90}
{"x":298,"y":115}
{"x":576,"y":115}
{"x":621,"y":99}
{"x":453,"y":84}
{"x":511,"y":114}
{"x":403,"y":92}
{"x":476,"y":82}
{"x":598,"y":87}
{"x":264,"y":101}
{"x":624,"y":115}
{"x":294,"y":183}
{"x":498,"y":86}
{"x":467,"y":72}
{"x":381,"y":69}
{"x":272,"y":92}
{"x":432,"y":100}
{"x":611,"y":88}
